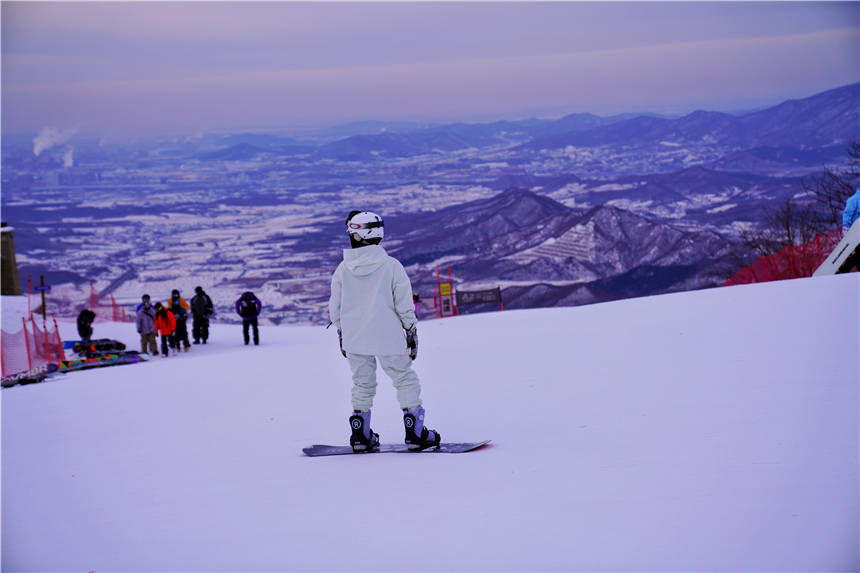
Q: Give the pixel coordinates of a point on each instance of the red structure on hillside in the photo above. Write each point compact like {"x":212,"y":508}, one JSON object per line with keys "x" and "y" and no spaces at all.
{"x":794,"y":261}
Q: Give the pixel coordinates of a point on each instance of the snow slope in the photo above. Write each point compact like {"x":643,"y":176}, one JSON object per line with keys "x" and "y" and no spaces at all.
{"x":701,"y":431}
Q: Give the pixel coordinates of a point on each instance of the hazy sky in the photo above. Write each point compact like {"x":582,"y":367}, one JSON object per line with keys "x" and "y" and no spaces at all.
{"x":187,"y":66}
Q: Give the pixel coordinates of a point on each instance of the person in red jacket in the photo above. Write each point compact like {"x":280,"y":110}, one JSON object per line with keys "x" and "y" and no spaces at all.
{"x":165,"y":324}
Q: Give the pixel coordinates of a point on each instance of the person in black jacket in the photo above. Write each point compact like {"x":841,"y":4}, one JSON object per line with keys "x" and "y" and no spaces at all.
{"x":201,"y":310}
{"x":85,"y":324}
{"x":179,"y":307}
{"x":248,"y":306}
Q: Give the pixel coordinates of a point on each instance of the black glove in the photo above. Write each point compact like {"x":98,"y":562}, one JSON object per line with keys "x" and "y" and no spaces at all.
{"x":412,"y":341}
{"x":340,"y":341}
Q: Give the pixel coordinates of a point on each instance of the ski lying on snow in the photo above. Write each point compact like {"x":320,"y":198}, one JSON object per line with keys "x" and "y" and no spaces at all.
{"x":444,"y":448}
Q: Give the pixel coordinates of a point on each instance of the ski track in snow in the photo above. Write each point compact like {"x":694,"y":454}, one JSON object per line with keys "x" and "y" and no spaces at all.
{"x":714,"y":430}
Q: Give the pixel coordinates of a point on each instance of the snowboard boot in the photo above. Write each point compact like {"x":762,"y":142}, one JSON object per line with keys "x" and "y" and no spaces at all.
{"x":417,"y":436}
{"x":363,"y":438}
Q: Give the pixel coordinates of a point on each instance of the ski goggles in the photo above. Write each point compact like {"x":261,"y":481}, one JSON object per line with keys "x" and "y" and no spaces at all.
{"x":369,"y":225}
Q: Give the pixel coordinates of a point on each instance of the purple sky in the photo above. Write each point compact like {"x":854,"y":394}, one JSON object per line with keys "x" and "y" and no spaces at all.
{"x":147,"y":67}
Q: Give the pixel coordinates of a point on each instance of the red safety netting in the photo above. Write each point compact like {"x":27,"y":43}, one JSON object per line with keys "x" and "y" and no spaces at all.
{"x":105,"y":307}
{"x":48,"y":346}
{"x":30,"y":347}
{"x":108,"y":310}
{"x":15,"y":357}
{"x":794,"y":261}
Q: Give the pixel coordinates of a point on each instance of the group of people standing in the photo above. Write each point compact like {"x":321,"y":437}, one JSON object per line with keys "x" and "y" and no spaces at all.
{"x":170,"y":321}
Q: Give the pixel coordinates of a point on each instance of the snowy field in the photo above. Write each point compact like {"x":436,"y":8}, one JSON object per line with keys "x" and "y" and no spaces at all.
{"x":701,"y":431}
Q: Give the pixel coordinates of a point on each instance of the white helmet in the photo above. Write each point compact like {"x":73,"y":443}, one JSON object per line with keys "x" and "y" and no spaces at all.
{"x":365,"y":225}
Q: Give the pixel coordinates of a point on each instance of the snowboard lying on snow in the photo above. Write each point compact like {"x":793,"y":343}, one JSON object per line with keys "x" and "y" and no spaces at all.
{"x":101,"y":360}
{"x":444,"y":448}
{"x":102,"y":344}
{"x":31,"y":376}
{"x":89,"y":359}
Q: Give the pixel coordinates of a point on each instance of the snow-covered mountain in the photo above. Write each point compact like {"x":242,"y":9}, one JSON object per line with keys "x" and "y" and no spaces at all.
{"x":701,"y":431}
{"x":520,"y":237}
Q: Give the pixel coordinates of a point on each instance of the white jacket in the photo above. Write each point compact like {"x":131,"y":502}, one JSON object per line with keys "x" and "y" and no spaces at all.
{"x":371,"y":302}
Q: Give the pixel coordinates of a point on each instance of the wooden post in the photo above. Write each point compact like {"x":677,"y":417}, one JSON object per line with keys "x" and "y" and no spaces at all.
{"x":44,"y":306}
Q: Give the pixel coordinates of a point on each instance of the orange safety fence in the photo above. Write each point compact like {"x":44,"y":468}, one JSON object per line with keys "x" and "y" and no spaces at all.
{"x":794,"y":261}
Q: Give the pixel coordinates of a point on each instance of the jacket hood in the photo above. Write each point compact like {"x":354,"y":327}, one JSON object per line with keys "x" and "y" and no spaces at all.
{"x":364,"y":260}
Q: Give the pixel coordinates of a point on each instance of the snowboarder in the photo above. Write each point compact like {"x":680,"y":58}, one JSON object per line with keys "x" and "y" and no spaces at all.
{"x":179,"y":307}
{"x":851,"y":212}
{"x":201,"y":310}
{"x":371,"y":307}
{"x":146,"y":328}
{"x":248,"y":306}
{"x":165,"y":324}
{"x":85,"y":324}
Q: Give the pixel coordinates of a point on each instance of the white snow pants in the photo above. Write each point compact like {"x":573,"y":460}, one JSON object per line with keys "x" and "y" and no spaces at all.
{"x":398,"y":367}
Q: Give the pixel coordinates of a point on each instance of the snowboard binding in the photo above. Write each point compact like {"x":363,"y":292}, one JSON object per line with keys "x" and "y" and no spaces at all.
{"x":417,"y":436}
{"x":363,"y":438}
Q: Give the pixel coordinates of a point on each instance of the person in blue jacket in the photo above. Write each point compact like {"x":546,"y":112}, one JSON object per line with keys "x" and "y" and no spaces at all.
{"x":851,"y":212}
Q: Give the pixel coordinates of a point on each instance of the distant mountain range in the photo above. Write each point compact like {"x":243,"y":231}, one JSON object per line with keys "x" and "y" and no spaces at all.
{"x":460,"y":136}
{"x":818,"y":121}
{"x":804,"y":132}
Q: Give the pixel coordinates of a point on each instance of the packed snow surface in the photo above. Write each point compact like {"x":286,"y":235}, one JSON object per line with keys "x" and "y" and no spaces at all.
{"x":702,"y":431}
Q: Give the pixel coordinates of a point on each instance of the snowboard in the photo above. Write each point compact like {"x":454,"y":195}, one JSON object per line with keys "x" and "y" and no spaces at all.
{"x":31,"y":376}
{"x":82,"y":346}
{"x":444,"y":448}
{"x":115,"y":359}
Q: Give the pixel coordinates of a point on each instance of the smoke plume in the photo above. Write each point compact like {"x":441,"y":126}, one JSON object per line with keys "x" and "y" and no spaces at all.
{"x":49,"y":137}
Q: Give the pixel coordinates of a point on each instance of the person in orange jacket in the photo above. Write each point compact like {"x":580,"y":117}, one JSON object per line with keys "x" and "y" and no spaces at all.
{"x":165,"y":324}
